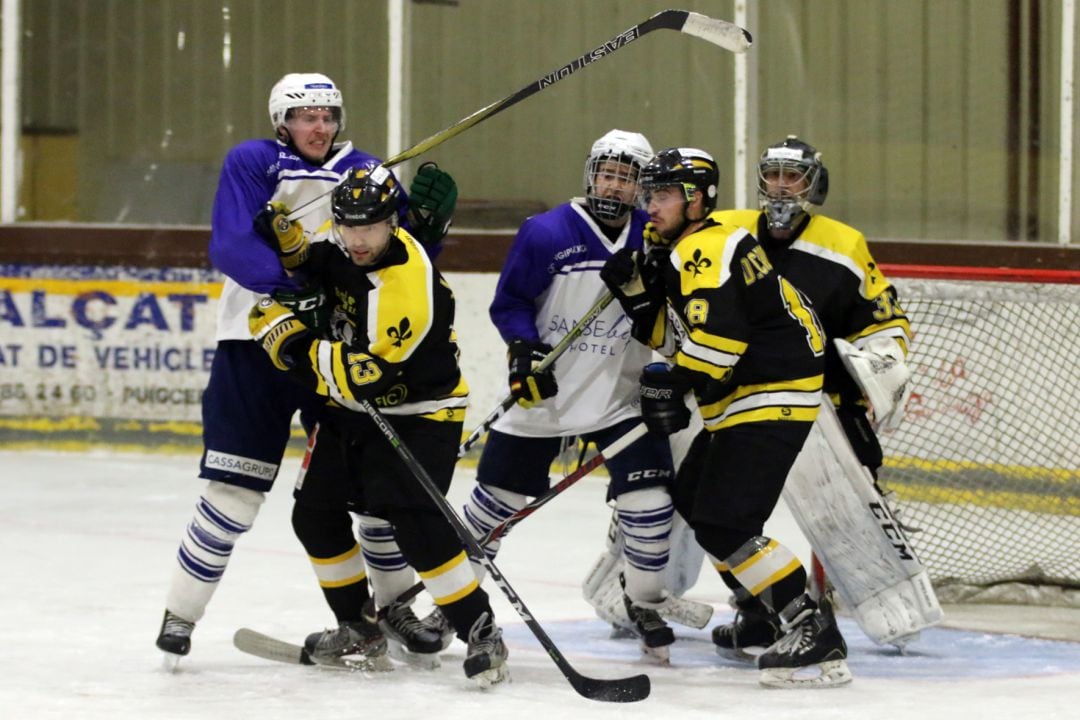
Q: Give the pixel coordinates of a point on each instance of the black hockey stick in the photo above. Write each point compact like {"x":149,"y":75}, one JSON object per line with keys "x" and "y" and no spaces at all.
{"x":508,"y":402}
{"x":630,"y":689}
{"x":582,"y":470}
{"x":718,"y":32}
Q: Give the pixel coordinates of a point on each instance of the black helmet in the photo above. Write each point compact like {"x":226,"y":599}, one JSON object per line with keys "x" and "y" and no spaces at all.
{"x":796,"y":157}
{"x":692,"y":168}
{"x":366,"y":196}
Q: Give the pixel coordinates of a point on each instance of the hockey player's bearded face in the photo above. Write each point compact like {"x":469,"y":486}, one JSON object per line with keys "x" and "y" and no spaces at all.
{"x":667,"y":208}
{"x":366,"y":244}
{"x":312,"y":130}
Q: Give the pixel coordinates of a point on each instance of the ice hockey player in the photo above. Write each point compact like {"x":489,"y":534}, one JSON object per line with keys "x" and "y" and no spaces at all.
{"x":831,"y":263}
{"x":248,"y":406}
{"x":750,"y":348}
{"x":391,"y":342}
{"x":550,"y":278}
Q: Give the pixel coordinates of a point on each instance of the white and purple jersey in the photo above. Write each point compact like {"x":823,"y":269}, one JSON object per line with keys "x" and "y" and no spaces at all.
{"x":254,"y":173}
{"x":551,"y":278}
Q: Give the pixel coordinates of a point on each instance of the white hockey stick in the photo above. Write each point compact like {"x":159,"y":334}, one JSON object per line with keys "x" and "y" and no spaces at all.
{"x":718,"y":32}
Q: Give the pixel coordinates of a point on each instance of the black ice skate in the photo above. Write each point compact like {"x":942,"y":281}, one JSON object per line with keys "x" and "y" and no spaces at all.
{"x":655,"y":635}
{"x":437,"y":622}
{"x":485,"y":660}
{"x":754,"y":629}
{"x":812,"y":651}
{"x":408,"y":639}
{"x":350,"y":637}
{"x":174,"y":638}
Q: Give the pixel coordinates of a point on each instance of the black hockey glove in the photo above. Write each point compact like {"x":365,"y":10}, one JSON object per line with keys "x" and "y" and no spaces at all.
{"x":637,"y":281}
{"x":663,"y":399}
{"x":308,"y":305}
{"x":285,"y":237}
{"x":526,"y":385}
{"x":432,"y":198}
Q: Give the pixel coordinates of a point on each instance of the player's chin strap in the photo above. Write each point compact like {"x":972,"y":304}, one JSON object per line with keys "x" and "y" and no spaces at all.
{"x":863,"y":548}
{"x":883,"y":376}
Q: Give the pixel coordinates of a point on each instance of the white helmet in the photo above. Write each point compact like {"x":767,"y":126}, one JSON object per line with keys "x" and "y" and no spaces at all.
{"x":630,"y":149}
{"x":304,"y":90}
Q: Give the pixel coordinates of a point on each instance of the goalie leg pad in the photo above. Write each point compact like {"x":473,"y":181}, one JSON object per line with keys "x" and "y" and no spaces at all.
{"x":223,"y":513}
{"x":864,"y":550}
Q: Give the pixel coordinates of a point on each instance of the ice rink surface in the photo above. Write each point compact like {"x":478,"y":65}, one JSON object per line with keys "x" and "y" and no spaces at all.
{"x":89,"y":542}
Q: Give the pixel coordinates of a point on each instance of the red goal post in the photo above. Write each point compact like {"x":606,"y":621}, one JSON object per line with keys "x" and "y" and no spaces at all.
{"x":986,"y":464}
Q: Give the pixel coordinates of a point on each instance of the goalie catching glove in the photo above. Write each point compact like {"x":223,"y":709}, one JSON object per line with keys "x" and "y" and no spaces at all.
{"x":287,"y":238}
{"x":432,"y":198}
{"x":883,"y":376}
{"x":275,"y":328}
{"x":527,"y":385}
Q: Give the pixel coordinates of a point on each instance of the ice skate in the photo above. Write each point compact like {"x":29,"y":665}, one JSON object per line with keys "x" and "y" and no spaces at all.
{"x":408,"y":639}
{"x":812,"y":652}
{"x":437,"y":622}
{"x":174,"y":638}
{"x":754,"y":629}
{"x":333,"y":647}
{"x":655,"y":635}
{"x":485,"y":661}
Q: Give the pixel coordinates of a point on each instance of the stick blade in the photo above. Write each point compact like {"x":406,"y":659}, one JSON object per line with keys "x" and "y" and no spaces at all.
{"x":621,"y":690}
{"x":719,"y":32}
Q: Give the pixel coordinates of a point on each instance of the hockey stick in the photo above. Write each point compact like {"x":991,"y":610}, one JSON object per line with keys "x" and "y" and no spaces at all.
{"x":719,"y":32}
{"x":508,"y":402}
{"x":630,"y":689}
{"x":582,"y":470}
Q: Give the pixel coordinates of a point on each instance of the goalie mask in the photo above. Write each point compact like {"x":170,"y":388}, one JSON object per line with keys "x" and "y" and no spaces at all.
{"x":366,"y":196}
{"x":612,"y":172}
{"x":791,"y":180}
{"x":690,"y":168}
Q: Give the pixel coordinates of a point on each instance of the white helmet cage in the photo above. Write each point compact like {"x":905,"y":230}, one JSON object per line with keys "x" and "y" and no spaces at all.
{"x":632,"y":152}
{"x":792,"y":156}
{"x":297,"y":90}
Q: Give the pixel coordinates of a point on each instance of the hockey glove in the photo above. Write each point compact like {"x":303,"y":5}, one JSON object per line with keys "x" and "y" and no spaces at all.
{"x":287,"y":238}
{"x":308,"y":305}
{"x":432,"y":198}
{"x":883,"y":376}
{"x":637,"y":282}
{"x":526,"y":385}
{"x":654,"y":239}
{"x":663,"y":399}
{"x":275,"y":328}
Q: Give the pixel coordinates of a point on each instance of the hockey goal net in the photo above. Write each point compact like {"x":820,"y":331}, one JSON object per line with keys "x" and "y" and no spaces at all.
{"x":986,"y":465}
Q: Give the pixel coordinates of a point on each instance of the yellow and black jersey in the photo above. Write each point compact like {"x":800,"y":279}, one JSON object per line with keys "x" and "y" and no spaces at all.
{"x":391,"y":338}
{"x":746,"y":338}
{"x":831,"y":263}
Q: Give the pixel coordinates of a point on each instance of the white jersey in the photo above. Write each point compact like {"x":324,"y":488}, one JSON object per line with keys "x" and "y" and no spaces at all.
{"x":256,"y":172}
{"x":551,"y":279}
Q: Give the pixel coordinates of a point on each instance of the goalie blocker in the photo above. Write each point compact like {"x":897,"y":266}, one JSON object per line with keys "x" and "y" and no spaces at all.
{"x":865,"y":552}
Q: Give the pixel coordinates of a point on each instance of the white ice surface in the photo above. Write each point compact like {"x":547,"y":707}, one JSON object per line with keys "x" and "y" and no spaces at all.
{"x":88,"y":547}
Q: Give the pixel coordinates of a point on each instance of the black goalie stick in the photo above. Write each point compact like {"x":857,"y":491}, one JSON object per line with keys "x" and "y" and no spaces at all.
{"x":629,"y":689}
{"x":729,"y":36}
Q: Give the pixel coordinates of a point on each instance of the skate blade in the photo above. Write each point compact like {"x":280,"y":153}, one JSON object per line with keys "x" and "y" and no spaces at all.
{"x":377,"y":664}
{"x":619,"y":632}
{"x":833,"y":673}
{"x":491,"y":677}
{"x":742,"y":655}
{"x":657,"y":655}
{"x":170,"y":662}
{"x":424,"y":661}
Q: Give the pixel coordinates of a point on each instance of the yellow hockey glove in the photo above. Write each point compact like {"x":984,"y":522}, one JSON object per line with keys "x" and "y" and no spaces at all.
{"x":275,"y":328}
{"x":272,"y":223}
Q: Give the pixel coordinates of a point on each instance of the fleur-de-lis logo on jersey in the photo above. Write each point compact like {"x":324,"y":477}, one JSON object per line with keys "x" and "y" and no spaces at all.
{"x":401,"y":333}
{"x":697,"y":263}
